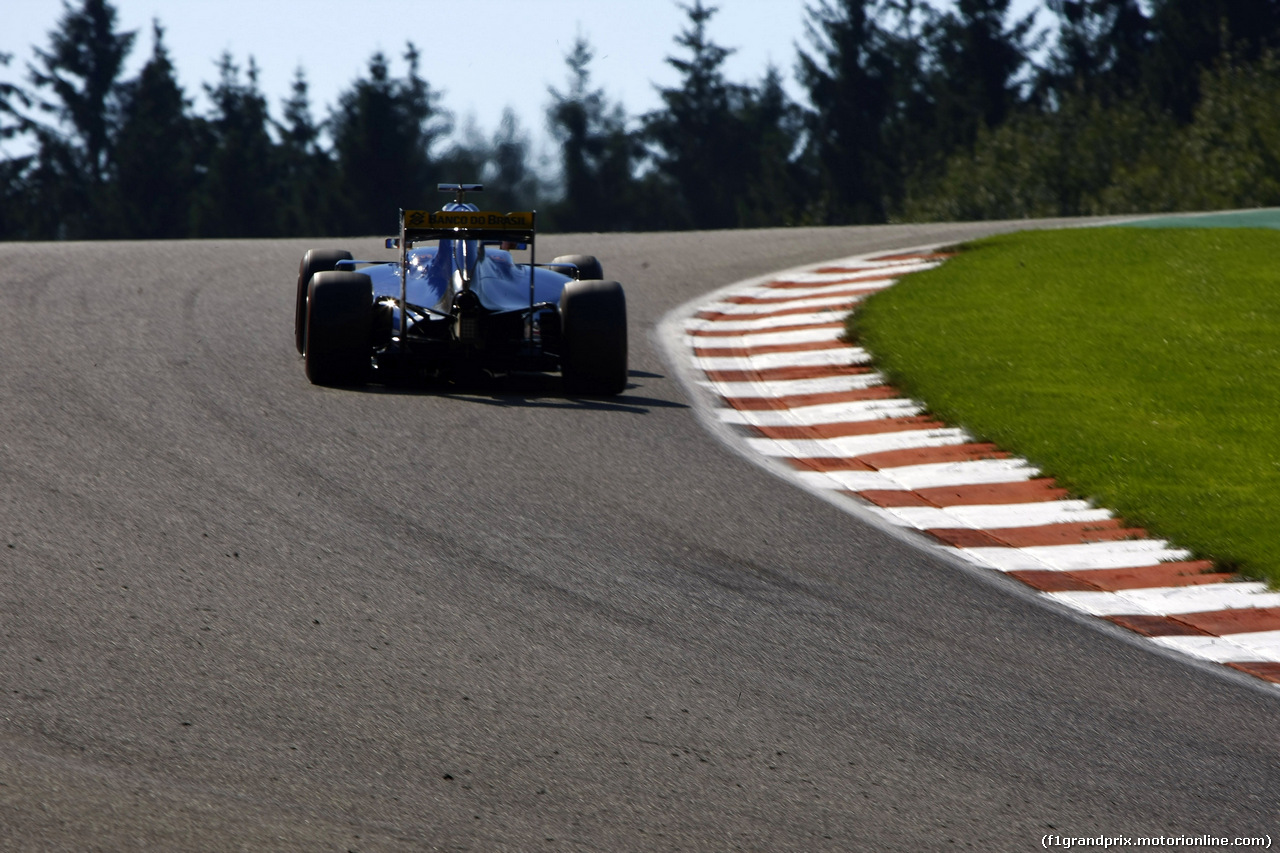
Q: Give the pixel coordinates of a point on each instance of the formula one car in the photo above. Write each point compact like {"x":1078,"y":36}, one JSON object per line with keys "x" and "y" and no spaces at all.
{"x":461,"y":308}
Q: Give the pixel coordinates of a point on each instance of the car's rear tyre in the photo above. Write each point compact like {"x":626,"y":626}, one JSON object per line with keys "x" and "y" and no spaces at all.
{"x":589,"y":268}
{"x":593,"y":320}
{"x":314,"y":261}
{"x":339,"y":325}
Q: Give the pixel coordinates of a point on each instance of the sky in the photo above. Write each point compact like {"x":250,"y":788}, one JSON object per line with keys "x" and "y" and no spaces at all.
{"x":483,"y":55}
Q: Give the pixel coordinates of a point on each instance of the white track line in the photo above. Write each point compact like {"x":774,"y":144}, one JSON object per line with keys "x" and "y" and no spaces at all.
{"x":1069,"y":558}
{"x":858,"y":445}
{"x":996,"y":516}
{"x":1173,"y":601}
{"x":794,"y":387}
{"x":840,"y":356}
{"x":766,"y":338}
{"x":1230,"y":649}
{"x":763,"y":323}
{"x":831,"y":413}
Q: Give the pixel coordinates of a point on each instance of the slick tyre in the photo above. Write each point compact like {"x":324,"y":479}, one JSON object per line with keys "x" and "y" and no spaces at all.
{"x":593,"y":319}
{"x":314,"y":261}
{"x":588,"y":267}
{"x":339,"y":324}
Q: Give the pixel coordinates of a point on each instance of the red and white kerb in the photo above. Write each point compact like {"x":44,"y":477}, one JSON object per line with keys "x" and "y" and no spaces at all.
{"x":789,"y":389}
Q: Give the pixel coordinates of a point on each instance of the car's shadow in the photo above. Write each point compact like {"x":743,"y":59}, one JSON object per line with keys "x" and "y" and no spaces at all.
{"x":530,"y":390}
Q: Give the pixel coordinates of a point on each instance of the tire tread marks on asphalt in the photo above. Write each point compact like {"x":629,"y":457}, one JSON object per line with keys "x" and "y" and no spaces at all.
{"x":754,"y":347}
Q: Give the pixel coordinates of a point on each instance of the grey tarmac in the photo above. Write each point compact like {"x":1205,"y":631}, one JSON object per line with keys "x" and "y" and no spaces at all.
{"x":240,"y":612}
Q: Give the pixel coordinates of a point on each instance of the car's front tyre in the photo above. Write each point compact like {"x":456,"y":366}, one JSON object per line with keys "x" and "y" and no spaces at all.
{"x":588,"y":267}
{"x":314,"y":261}
{"x":339,"y":325}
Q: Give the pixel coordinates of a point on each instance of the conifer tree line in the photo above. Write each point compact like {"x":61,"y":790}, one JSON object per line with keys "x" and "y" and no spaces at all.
{"x":913,"y":110}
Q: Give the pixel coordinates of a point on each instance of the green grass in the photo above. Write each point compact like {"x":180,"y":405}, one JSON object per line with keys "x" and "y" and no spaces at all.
{"x":1141,"y":368}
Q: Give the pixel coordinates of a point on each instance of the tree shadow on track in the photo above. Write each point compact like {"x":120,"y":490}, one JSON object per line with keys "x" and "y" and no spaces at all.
{"x":530,"y":390}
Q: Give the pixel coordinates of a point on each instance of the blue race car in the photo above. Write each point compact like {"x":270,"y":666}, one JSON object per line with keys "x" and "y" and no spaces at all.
{"x":460,"y":308}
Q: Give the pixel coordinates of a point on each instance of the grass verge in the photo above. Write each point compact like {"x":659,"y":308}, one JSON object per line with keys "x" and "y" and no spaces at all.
{"x":1140,"y":368}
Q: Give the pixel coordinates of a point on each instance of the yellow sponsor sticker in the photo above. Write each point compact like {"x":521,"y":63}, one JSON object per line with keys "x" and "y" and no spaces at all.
{"x":472,"y":220}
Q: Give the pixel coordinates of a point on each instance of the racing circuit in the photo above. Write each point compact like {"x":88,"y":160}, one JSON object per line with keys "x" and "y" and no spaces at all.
{"x":244,"y":612}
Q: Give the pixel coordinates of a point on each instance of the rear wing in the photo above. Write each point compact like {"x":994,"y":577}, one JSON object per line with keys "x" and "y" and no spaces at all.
{"x":488,"y":226}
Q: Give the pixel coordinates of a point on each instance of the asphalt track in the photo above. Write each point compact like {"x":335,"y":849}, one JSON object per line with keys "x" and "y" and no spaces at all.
{"x":240,"y":612}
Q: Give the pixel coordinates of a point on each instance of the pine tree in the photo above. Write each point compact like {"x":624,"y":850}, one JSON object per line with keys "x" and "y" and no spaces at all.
{"x":80,"y":72}
{"x":980,"y":64}
{"x":774,"y":188}
{"x":1188,"y":37}
{"x":698,"y":136}
{"x":383,"y":131}
{"x":597,"y":154}
{"x":509,"y":179}
{"x":465,"y":160}
{"x":850,"y":80}
{"x":238,"y":196}
{"x":913,"y":138}
{"x":13,"y":101}
{"x":153,"y":169}
{"x":14,"y":218}
{"x":1100,"y":49}
{"x":307,"y":172}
